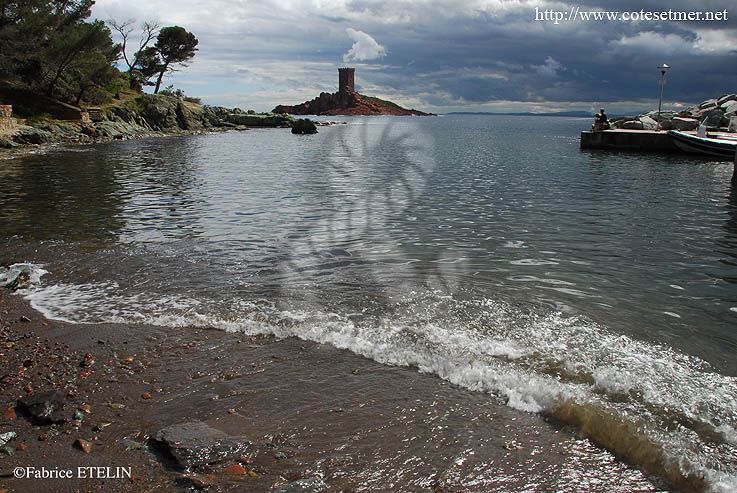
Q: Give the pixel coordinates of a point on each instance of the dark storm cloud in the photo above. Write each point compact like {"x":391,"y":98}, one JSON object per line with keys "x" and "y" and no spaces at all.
{"x":449,"y":53}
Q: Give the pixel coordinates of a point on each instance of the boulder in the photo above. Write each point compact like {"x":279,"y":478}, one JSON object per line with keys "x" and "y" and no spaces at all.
{"x":729,"y":108}
{"x":708,"y":104}
{"x":648,"y":123}
{"x":666,"y":125}
{"x":31,"y":135}
{"x":711,"y":117}
{"x":632,"y":125}
{"x":190,"y":116}
{"x":159,"y":111}
{"x":726,"y":98}
{"x":664,"y":115}
{"x":260,"y":120}
{"x":732,"y":127}
{"x":684,"y":124}
{"x":45,"y":408}
{"x":195,"y":444}
{"x":304,"y":126}
{"x":689,"y":112}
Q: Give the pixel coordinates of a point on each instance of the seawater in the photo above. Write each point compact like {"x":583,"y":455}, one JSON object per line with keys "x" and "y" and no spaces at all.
{"x":597,"y":288}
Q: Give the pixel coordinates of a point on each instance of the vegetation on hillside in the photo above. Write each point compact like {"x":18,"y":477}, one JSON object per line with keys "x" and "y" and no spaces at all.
{"x":52,"y":48}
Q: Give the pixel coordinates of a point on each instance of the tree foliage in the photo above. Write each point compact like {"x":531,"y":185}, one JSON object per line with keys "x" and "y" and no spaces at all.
{"x":49,"y":46}
{"x":175,"y":46}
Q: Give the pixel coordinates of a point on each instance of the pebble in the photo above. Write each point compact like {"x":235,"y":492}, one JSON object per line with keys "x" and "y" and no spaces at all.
{"x":84,"y":445}
{"x":9,"y":414}
{"x":235,"y":469}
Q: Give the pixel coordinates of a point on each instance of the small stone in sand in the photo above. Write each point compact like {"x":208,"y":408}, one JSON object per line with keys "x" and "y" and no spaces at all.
{"x":235,"y":469}
{"x":84,"y":445}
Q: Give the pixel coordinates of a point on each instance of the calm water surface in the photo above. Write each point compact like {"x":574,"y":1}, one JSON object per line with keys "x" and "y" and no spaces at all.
{"x":591,"y":286}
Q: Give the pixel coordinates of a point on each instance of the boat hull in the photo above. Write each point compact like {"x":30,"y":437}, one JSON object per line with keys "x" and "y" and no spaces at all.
{"x":705,"y":146}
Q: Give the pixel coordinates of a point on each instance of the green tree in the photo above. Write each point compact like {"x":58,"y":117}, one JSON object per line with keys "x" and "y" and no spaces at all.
{"x":175,"y":46}
{"x":76,"y":47}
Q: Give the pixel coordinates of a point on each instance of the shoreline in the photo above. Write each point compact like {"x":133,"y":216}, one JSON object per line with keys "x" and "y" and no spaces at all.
{"x":313,"y":414}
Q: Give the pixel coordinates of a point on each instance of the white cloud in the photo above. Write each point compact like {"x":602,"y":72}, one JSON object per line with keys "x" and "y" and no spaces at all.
{"x":654,"y":42}
{"x":364,"y":47}
{"x":550,"y":68}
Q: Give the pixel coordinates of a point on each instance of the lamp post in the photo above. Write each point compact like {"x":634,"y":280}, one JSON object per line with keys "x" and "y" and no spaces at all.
{"x":663,"y":69}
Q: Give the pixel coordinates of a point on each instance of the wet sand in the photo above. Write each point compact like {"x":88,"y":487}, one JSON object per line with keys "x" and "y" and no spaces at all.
{"x":311,"y":411}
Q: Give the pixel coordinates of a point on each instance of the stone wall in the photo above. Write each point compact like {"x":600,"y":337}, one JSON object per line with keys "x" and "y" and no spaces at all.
{"x":7,"y":122}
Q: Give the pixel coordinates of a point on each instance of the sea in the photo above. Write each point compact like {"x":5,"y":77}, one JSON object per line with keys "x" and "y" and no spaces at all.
{"x":596,"y":288}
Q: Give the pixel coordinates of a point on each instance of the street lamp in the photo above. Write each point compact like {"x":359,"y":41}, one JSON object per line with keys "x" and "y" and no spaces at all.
{"x":663,"y":69}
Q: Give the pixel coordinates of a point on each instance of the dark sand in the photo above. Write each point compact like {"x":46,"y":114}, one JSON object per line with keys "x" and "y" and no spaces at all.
{"x":312,"y":411}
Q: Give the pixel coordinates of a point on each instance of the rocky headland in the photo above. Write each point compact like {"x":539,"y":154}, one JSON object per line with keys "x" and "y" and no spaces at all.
{"x":717,"y":113}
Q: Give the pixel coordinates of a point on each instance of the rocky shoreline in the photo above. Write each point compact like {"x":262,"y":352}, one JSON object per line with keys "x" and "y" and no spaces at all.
{"x":143,"y":116}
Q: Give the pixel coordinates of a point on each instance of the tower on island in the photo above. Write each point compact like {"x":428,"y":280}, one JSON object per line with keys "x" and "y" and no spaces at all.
{"x":346,"y":79}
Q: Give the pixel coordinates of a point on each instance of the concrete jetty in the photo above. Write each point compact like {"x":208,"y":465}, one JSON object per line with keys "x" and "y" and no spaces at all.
{"x":630,"y":140}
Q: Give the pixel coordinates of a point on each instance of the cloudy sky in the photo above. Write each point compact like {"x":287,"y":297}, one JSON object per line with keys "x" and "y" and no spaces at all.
{"x":446,"y":55}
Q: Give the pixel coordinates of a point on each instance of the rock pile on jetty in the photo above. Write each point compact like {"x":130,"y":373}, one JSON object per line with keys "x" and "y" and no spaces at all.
{"x":719,"y":113}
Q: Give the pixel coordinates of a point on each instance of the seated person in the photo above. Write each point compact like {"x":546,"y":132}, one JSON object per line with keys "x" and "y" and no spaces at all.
{"x":601,"y":121}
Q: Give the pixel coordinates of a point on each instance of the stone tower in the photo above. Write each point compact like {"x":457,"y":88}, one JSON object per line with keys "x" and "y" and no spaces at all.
{"x":346,"y":79}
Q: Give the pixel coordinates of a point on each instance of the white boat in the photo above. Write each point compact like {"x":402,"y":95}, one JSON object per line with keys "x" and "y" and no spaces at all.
{"x":694,"y":144}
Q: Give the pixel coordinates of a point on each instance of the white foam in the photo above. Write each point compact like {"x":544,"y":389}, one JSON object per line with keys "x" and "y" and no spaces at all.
{"x":533,"y":261}
{"x":34,"y":271}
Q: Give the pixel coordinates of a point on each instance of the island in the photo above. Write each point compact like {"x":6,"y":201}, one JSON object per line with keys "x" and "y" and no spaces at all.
{"x":347,"y":102}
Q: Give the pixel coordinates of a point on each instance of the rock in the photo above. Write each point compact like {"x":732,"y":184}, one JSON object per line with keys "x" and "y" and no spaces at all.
{"x":31,"y":135}
{"x":9,"y":414}
{"x":45,"y":408}
{"x":726,"y":98}
{"x":729,"y":108}
{"x":309,"y":485}
{"x":159,"y":111}
{"x":684,"y":124}
{"x":190,"y":116}
{"x":648,"y":123}
{"x":732,"y":124}
{"x":88,"y":360}
{"x":262,"y":120}
{"x":6,"y":437}
{"x":83,"y":445}
{"x":711,"y":118}
{"x":708,"y":104}
{"x":304,"y":126}
{"x":633,"y":125}
{"x":666,"y":124}
{"x":235,"y":469}
{"x":198,"y":444}
{"x":664,"y":115}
